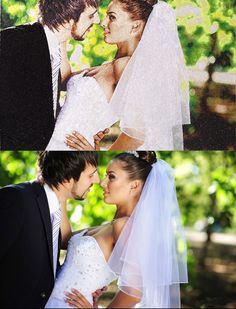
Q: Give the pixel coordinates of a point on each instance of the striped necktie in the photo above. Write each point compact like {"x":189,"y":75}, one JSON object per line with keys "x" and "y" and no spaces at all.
{"x":56,"y":222}
{"x":56,"y":64}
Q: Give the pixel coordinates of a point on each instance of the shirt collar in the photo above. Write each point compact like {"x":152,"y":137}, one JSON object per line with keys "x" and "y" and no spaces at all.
{"x":53,"y":202}
{"x":52,"y":40}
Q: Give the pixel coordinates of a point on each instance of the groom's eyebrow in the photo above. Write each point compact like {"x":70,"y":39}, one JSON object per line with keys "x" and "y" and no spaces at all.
{"x":91,"y":15}
{"x":93,"y":172}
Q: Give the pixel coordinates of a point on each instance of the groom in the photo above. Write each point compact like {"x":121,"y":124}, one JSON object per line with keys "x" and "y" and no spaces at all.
{"x":33,"y":64}
{"x":30,"y":217}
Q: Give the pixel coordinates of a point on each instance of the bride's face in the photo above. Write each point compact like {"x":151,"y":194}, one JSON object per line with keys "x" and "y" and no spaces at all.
{"x":116,"y":185}
{"x":118,"y":26}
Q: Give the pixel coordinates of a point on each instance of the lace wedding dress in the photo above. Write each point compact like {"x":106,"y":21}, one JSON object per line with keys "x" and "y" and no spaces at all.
{"x":84,"y":269}
{"x":86,"y":110}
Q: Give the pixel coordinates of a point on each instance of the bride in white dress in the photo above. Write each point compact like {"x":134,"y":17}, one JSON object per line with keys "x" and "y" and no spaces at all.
{"x":145,"y":88}
{"x":144,"y":246}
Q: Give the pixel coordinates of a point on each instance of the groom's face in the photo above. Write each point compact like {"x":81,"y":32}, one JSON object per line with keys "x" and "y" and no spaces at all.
{"x":88,"y":177}
{"x":80,"y":29}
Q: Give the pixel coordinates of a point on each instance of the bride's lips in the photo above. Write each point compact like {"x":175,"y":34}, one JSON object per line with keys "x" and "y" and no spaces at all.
{"x":106,"y":32}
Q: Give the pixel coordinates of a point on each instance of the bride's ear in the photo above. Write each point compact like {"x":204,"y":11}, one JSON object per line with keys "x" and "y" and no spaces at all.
{"x":136,"y":186}
{"x":137,"y":27}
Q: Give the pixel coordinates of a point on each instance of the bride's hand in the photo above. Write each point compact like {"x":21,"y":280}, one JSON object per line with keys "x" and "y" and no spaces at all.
{"x":76,"y":141}
{"x":76,"y":299}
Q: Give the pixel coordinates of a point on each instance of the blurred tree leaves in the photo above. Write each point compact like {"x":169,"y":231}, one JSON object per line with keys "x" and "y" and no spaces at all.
{"x":205,"y":182}
{"x":197,"y":20}
{"x":207,"y":34}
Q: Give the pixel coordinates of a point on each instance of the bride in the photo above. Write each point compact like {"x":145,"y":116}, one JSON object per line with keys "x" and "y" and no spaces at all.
{"x":145,"y":87}
{"x":144,"y":246}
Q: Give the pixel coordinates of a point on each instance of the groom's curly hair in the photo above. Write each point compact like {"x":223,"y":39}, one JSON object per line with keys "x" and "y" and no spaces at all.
{"x":54,"y":13}
{"x":58,"y":166}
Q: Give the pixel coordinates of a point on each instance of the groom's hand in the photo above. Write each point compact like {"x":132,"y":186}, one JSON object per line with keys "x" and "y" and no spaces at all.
{"x":96,"y":296}
{"x":98,"y":137}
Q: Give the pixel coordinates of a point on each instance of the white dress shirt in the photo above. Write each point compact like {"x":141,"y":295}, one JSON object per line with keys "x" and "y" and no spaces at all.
{"x":53,"y":202}
{"x":54,"y":50}
{"x":54,"y":206}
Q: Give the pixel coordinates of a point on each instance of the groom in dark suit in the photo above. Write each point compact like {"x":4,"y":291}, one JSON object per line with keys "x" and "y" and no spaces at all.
{"x":29,"y":226}
{"x":33,"y":64}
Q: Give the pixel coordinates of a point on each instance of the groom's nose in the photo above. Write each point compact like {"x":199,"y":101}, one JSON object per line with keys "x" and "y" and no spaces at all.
{"x":96,"y":18}
{"x":96,"y":178}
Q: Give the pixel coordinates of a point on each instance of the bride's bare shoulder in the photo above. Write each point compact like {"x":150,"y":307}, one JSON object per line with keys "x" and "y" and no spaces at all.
{"x":119,"y":66}
{"x":118,"y":226}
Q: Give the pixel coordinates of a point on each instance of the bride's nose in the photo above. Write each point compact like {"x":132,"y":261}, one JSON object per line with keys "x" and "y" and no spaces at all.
{"x":103,"y":183}
{"x":104,"y":23}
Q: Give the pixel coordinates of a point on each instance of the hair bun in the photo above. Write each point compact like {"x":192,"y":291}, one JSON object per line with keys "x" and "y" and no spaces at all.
{"x":151,"y":2}
{"x":149,"y":156}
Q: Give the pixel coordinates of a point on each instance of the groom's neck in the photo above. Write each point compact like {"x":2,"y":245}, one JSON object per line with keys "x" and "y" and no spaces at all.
{"x":63,"y":33}
{"x":61,"y":193}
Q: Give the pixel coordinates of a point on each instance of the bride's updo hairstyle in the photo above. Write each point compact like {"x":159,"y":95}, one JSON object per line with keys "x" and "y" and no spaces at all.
{"x":137,"y":164}
{"x":138,"y":9}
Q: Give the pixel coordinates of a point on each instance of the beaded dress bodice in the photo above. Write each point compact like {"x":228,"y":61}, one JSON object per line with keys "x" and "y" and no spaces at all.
{"x":86,"y":110}
{"x":85,"y":269}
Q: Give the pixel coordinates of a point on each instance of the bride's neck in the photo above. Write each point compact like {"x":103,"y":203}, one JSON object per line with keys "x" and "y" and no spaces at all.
{"x":127,"y":48}
{"x":125,"y":210}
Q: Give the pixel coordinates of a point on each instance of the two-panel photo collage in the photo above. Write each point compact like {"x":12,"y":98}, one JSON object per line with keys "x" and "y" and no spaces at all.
{"x":118,"y":154}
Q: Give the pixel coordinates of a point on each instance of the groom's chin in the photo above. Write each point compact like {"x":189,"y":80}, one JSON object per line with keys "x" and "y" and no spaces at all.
{"x":79,"y":198}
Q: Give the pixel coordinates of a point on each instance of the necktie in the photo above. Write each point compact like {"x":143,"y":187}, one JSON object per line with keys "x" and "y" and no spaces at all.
{"x":56,"y":63}
{"x":56,"y":221}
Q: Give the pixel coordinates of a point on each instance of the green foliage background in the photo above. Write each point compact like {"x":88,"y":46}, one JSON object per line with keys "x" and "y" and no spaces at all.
{"x":205,"y":182}
{"x":202,"y":19}
{"x":207,"y":34}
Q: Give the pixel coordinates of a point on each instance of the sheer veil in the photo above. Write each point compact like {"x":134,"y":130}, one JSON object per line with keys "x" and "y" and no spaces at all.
{"x":152,"y":96}
{"x":150,"y":254}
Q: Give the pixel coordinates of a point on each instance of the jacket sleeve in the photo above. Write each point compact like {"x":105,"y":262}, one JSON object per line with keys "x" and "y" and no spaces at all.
{"x":11,"y":218}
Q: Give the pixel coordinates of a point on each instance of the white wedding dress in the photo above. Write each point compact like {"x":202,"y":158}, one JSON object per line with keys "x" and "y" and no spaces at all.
{"x":86,"y":110}
{"x":85,"y":269}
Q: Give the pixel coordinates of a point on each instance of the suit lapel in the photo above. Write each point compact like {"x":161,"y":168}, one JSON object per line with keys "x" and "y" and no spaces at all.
{"x":45,"y":215}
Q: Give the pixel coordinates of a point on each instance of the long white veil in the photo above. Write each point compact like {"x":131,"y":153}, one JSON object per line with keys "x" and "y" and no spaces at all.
{"x":152,"y":96}
{"x":150,"y":254}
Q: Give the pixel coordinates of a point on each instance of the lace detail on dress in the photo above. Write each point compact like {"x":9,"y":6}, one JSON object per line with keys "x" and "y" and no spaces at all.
{"x":85,"y":268}
{"x":86,"y":110}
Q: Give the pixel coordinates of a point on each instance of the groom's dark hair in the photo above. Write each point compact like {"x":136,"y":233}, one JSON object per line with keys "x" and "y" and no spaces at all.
{"x":54,"y":13}
{"x":58,"y":166}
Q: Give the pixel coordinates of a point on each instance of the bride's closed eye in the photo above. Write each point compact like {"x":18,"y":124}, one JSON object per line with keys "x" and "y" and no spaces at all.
{"x":110,"y":176}
{"x":111,"y":18}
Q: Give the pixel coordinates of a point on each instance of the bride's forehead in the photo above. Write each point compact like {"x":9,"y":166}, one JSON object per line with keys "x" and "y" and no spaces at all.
{"x":115,"y":6}
{"x":114,"y":166}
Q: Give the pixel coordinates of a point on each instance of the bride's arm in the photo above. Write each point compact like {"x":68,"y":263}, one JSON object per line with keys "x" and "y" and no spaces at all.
{"x":65,"y":66}
{"x":123,"y":300}
{"x":66,"y":231}
{"x":125,"y":142}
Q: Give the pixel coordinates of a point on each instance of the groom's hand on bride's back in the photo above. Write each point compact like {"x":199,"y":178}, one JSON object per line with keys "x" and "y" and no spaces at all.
{"x":98,"y":137}
{"x":96,"y":296}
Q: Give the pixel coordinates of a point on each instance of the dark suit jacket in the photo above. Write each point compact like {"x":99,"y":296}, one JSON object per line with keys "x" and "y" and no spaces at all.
{"x":26,"y":108}
{"x":26,"y":257}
